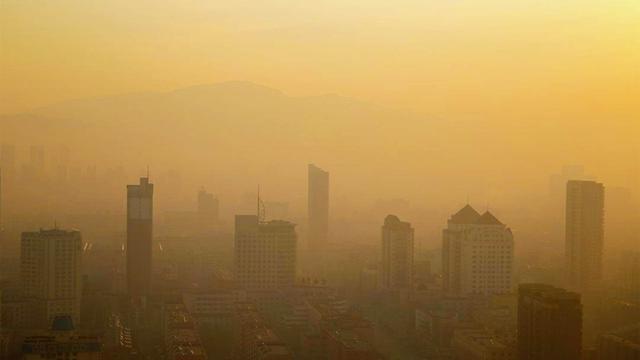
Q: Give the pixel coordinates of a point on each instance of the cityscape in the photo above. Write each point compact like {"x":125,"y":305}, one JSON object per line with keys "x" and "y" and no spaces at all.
{"x":435,"y":180}
{"x":259,"y":287}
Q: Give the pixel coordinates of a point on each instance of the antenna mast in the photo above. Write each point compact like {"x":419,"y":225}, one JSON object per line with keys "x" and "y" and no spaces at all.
{"x":260,"y":208}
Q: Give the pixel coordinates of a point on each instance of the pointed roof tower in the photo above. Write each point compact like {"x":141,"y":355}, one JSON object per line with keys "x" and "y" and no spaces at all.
{"x":488,"y":219}
{"x":466,"y":215}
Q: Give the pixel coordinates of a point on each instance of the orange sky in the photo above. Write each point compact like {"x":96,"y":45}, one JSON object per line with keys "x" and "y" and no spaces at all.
{"x":531,"y":71}
{"x":441,"y":57}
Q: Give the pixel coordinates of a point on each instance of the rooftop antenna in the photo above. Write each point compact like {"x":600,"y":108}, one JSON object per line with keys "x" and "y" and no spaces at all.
{"x":147,"y":171}
{"x":260,"y":208}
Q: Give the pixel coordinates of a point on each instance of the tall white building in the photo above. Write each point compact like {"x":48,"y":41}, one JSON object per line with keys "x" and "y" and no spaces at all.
{"x":584,"y":232}
{"x":265,"y":253}
{"x":50,"y":264}
{"x":397,"y":254}
{"x":477,"y":254}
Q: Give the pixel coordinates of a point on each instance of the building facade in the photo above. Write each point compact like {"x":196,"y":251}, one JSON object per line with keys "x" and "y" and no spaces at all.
{"x":477,"y":254}
{"x":51,"y":271}
{"x":208,"y":210}
{"x":139,"y":237}
{"x":584,"y":234}
{"x":549,"y":323}
{"x":397,"y":254}
{"x":265,"y":253}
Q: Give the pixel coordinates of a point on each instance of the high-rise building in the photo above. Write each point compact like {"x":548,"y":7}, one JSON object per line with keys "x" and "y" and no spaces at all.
{"x":397,"y":254}
{"x":208,"y":209}
{"x":139,"y":237}
{"x":584,"y":234}
{"x":265,"y":253}
{"x":50,"y":265}
{"x":318,"y":208}
{"x":477,"y":254}
{"x":549,"y":323}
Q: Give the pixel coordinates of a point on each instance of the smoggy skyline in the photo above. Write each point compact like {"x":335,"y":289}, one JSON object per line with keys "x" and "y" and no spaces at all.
{"x":335,"y":180}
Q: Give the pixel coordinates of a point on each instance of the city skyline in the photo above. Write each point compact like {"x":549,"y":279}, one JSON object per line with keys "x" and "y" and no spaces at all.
{"x":333,"y":180}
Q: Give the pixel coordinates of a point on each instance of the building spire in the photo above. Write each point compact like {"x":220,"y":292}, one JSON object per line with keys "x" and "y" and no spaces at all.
{"x":260,"y":208}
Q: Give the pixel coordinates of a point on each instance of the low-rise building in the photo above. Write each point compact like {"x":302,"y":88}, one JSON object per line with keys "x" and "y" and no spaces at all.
{"x":480,"y":344}
{"x":62,"y":342}
{"x":623,"y":344}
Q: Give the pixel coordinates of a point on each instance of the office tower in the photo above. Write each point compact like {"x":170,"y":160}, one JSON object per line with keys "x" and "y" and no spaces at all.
{"x":477,"y":254}
{"x":50,"y":265}
{"x":584,"y":234}
{"x":208,"y":209}
{"x":549,"y":323}
{"x":265,"y":253}
{"x":318,"y":208}
{"x":139,"y":237}
{"x":397,"y":254}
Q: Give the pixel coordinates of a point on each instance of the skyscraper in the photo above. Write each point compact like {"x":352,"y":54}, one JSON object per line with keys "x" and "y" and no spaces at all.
{"x":265,"y":253}
{"x":584,"y":233}
{"x":208,"y":209}
{"x":397,"y":254}
{"x":477,"y":254}
{"x":50,"y":266}
{"x":318,"y":208}
{"x":549,"y":323}
{"x":139,"y":237}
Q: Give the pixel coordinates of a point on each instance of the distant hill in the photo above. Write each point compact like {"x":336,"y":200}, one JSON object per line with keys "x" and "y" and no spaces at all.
{"x":224,"y":114}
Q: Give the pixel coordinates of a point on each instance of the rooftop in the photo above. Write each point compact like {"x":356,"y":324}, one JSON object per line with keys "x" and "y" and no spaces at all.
{"x":469,"y":216}
{"x":466,"y":215}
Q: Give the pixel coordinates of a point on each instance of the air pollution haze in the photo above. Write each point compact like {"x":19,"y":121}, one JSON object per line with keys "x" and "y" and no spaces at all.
{"x":320,"y":180}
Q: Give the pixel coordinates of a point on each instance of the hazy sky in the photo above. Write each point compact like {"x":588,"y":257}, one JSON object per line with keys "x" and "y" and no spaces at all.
{"x":551,"y":82}
{"x":441,"y":57}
